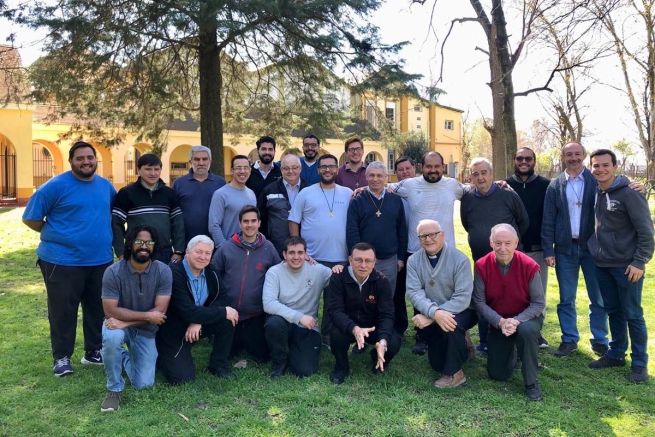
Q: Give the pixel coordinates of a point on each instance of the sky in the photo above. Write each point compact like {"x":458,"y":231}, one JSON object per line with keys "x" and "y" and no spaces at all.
{"x":466,"y":70}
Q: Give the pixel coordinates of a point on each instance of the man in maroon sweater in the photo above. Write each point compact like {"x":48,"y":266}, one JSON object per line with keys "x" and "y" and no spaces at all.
{"x":509,"y":294}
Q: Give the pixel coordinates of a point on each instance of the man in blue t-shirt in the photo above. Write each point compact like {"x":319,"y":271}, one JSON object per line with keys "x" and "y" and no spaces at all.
{"x":72,"y":213}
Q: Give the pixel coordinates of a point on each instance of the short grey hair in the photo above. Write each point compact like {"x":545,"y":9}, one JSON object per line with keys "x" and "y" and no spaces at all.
{"x":295,"y":156}
{"x":477,"y":161}
{"x":504,"y":227}
{"x":196,"y":149}
{"x":199,"y":239}
{"x":427,"y":222}
{"x":376,"y":165}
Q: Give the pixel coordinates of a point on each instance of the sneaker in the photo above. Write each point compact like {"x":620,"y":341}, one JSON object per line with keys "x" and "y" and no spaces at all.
{"x":420,"y":348}
{"x":543,"y":344}
{"x":482,"y":348}
{"x":221,"y":372}
{"x":606,"y":361}
{"x":533,"y":392}
{"x":450,"y":381}
{"x":565,"y":348}
{"x":638,"y":374}
{"x":112,"y":401}
{"x":63,"y":367}
{"x":278,"y":369}
{"x":93,"y":358}
{"x":358,"y":351}
{"x":327,"y":346}
{"x":337,"y":376}
{"x":600,"y":349}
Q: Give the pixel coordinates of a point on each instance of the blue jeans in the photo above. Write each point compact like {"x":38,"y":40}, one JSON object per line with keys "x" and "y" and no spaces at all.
{"x":139,"y":362}
{"x":567,"y":269}
{"x":622,"y":300}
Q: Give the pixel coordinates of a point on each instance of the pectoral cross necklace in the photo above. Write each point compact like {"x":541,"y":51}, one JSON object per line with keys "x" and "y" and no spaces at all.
{"x":378,"y":213}
{"x":577,"y":196}
{"x":330,"y":207}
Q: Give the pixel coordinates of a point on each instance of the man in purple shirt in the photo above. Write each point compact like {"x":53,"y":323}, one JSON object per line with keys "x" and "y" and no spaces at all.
{"x":353,"y":173}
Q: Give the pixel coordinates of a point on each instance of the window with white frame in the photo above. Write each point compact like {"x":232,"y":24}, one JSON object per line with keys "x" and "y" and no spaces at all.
{"x":448,"y":125}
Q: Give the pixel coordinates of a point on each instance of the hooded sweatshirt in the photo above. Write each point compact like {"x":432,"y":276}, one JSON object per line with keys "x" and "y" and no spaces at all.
{"x":624,"y":228}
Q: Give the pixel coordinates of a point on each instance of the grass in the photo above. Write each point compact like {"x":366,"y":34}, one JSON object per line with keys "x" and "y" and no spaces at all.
{"x":577,"y":401}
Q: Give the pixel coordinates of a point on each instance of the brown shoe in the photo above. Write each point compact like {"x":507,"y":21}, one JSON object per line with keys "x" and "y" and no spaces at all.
{"x":449,"y":381}
{"x":470,"y":347}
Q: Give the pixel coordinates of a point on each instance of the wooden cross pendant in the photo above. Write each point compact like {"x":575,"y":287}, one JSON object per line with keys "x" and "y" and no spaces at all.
{"x":432,"y":283}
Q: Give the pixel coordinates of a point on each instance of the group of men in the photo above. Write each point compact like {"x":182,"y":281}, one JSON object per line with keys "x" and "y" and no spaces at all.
{"x":202,"y":259}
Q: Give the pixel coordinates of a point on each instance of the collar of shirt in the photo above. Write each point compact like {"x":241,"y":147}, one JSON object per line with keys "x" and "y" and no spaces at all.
{"x":352,"y":275}
{"x":359,"y":170}
{"x":263,"y":173}
{"x":488,"y":193}
{"x":189,"y":273}
{"x":210,"y":176}
{"x":579,"y":177}
{"x":287,"y":185}
{"x":131,"y":268}
{"x":381,"y":195}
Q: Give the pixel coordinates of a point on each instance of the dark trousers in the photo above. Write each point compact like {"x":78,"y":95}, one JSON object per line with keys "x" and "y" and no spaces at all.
{"x":340,"y":342}
{"x":248,"y":335}
{"x":164,"y":255}
{"x":67,"y":287}
{"x":326,"y":321}
{"x":447,"y":350}
{"x":296,"y":345}
{"x":400,"y":307}
{"x":502,"y":350}
{"x":177,"y":364}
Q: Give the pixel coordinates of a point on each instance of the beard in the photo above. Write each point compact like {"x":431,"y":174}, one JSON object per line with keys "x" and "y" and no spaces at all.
{"x":326,"y":181}
{"x":141,"y":257}
{"x":84,"y":173}
{"x":265,"y":159}
{"x":528,"y":173}
{"x":426,"y":176}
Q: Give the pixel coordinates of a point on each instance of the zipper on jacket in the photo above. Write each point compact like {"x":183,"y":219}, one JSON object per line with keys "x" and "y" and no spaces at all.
{"x":243,"y":279}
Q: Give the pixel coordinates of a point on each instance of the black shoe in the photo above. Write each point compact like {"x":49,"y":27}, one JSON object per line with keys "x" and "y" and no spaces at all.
{"x":543,"y":344}
{"x":221,"y":372}
{"x":565,"y":349}
{"x":638,"y":374}
{"x":605,"y":362}
{"x":600,"y":349}
{"x":533,"y":392}
{"x":358,"y":351}
{"x":420,"y":348}
{"x":337,"y":376}
{"x":278,"y":369}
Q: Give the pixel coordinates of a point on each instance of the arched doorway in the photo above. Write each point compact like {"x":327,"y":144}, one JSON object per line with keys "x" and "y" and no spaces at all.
{"x":8,"y":179}
{"x":179,"y":162}
{"x":131,"y":157}
{"x":43,"y":165}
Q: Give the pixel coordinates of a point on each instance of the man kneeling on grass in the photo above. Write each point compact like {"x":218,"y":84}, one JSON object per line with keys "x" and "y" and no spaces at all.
{"x":509,"y":294}
{"x":360,"y":304}
{"x":135,"y":295}
{"x":291,"y":295}
{"x":194,"y":313}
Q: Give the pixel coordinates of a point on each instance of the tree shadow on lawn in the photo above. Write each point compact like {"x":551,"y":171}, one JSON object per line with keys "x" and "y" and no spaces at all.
{"x":19,"y":271}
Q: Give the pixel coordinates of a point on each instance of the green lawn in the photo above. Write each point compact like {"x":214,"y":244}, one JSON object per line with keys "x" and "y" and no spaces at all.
{"x":577,"y":401}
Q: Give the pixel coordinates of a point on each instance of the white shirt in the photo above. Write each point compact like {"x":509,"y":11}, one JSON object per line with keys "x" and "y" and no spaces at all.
{"x":574,"y":196}
{"x":292,"y":190}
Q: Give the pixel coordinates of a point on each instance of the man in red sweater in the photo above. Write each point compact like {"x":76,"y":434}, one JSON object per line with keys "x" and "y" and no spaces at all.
{"x":509,"y":294}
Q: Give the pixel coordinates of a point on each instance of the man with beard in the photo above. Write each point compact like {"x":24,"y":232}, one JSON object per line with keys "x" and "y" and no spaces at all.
{"x":319,"y":215}
{"x":352,"y":173}
{"x":135,"y":296}
{"x":195,"y":191}
{"x":276,"y":200}
{"x":76,"y":207}
{"x":430,"y":196}
{"x":264,"y":171}
{"x":148,"y":201}
{"x":194,"y":314}
{"x":228,"y":201}
{"x":567,"y":226}
{"x":531,"y":188}
{"x":241,"y":264}
{"x":310,"y":147}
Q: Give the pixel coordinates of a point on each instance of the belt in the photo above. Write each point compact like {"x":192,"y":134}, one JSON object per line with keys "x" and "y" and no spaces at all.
{"x":575,"y":240}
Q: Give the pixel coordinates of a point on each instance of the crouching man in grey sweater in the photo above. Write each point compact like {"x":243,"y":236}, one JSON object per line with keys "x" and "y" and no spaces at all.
{"x":291,"y":296}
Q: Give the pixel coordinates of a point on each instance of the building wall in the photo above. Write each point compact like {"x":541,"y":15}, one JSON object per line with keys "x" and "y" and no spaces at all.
{"x":16,"y":136}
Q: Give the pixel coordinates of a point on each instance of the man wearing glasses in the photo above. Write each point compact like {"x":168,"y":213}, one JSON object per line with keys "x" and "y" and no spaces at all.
{"x":440,"y":286}
{"x":353,"y":173}
{"x":531,"y":188}
{"x":228,"y":200}
{"x":310,"y":148}
{"x":276,"y":200}
{"x":360,"y":303}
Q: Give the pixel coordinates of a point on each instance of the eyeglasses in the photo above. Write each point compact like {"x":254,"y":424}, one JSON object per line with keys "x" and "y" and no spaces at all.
{"x":327,"y":167}
{"x":293,"y":168}
{"x":368,"y":262}
{"x":431,"y":236}
{"x":241,"y":168}
{"x":142,"y":242}
{"x":312,"y":146}
{"x":524,"y":158}
{"x":356,"y":149}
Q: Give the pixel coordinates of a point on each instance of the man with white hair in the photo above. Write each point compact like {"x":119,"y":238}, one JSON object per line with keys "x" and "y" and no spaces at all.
{"x":195,"y":191}
{"x":193,"y":314}
{"x":276,"y":200}
{"x":509,"y":294}
{"x":440,"y":286}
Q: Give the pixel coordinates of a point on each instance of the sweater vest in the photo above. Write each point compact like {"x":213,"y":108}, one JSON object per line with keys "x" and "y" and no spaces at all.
{"x":507,"y":295}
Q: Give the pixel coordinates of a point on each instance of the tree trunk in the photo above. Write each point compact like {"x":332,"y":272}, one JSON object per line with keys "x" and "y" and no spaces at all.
{"x":211,"y":85}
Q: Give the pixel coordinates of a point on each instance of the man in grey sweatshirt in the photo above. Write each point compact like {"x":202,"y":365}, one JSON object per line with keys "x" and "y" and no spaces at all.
{"x":291,"y":295}
{"x":621,"y":245}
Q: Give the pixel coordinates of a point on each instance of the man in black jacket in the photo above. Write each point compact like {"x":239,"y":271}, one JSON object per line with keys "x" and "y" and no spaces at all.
{"x":360,"y":304}
{"x":276,"y":200}
{"x":264,"y":171}
{"x":194,"y":314}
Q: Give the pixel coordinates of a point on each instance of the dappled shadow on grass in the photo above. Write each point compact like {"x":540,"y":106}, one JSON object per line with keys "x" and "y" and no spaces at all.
{"x":19,"y":272}
{"x":6,"y":210}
